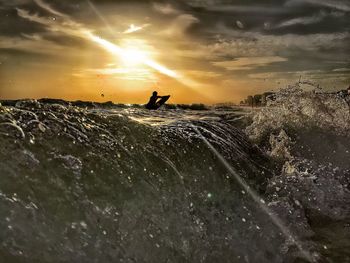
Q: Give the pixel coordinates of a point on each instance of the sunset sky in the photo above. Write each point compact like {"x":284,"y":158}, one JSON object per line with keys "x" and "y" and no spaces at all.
{"x":196,"y":50}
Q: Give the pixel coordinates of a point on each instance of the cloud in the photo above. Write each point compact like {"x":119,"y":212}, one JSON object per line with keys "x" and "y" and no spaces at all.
{"x":334,"y":4}
{"x":166,"y":9}
{"x":302,"y":20}
{"x":202,"y":74}
{"x":273,"y":16}
{"x":248,"y":63}
{"x":239,"y":24}
{"x":31,"y":44}
{"x":237,"y":43}
{"x":132,"y":28}
{"x":35,"y":34}
{"x":6,"y":3}
{"x":67,"y":27}
{"x":264,"y":76}
{"x":141,"y":74}
{"x":284,"y":74}
{"x":48,"y":8}
{"x":32,"y":17}
{"x":308,"y":20}
{"x":181,"y":24}
{"x":324,"y":78}
{"x":236,"y":8}
{"x":341,"y":70}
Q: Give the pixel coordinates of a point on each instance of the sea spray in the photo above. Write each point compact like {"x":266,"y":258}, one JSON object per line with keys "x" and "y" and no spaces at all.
{"x":307,"y":132}
{"x":295,"y":108}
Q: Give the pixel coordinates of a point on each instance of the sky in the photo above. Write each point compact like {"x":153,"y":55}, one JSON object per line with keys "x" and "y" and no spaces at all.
{"x":198,"y":51}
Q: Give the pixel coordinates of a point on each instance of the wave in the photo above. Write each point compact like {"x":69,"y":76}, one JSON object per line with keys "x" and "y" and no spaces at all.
{"x":308,"y":132}
{"x":128,"y":185}
{"x":87,"y":186}
{"x":295,"y":108}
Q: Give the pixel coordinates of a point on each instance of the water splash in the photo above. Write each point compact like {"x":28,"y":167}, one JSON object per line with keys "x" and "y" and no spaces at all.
{"x":274,"y":218}
{"x":296,"y":108}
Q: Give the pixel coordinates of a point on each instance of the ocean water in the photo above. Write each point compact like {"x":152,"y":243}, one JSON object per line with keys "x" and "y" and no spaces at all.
{"x":122,"y":184}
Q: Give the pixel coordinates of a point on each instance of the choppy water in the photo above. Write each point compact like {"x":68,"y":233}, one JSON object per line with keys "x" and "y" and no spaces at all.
{"x":129,"y":185}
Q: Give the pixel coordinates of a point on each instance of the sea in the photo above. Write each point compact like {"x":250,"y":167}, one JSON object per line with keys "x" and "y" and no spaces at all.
{"x":86,"y":182}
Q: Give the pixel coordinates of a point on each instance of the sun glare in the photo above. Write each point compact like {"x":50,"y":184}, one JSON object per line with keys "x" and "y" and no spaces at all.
{"x":133,"y":57}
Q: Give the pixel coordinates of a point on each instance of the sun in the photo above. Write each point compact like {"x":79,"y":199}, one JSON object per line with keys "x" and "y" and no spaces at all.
{"x":133,"y":57}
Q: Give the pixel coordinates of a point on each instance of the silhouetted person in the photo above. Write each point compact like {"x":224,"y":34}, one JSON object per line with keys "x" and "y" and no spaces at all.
{"x":156,"y":101}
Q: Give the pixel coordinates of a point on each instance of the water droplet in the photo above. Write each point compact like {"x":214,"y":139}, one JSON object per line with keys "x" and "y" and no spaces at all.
{"x":41,"y":127}
{"x":83,"y":224}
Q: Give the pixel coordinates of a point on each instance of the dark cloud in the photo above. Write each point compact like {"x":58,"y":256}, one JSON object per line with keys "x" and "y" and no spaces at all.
{"x":308,"y":18}
{"x":282,"y":16}
{"x":13,"y":25}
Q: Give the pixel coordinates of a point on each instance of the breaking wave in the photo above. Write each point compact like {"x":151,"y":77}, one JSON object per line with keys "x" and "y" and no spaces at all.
{"x":308,"y":132}
{"x":296,"y":108}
